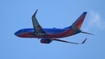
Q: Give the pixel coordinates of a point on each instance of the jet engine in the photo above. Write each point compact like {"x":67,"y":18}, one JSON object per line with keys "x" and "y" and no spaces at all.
{"x":45,"y":40}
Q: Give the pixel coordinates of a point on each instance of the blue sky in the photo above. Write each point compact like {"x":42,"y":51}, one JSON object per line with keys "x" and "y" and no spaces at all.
{"x":15,"y":15}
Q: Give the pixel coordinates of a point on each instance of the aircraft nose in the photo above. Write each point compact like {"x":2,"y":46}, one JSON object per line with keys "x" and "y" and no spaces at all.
{"x":16,"y":33}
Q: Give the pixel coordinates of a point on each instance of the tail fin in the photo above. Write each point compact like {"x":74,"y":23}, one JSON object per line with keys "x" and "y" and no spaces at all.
{"x":79,"y":21}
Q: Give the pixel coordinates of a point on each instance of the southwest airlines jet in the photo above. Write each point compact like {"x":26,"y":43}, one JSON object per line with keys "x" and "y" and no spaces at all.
{"x":47,"y":35}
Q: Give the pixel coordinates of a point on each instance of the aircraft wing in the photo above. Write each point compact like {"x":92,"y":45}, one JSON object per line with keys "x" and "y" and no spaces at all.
{"x":37,"y":28}
{"x":69,"y":42}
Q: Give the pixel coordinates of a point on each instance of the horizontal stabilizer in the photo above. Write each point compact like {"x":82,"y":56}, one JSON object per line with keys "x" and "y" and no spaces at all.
{"x":86,"y":33}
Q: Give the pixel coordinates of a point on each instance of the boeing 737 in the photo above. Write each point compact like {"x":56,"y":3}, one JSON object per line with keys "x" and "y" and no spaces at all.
{"x":47,"y":35}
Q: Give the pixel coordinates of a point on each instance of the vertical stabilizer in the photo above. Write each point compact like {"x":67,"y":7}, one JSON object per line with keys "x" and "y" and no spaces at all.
{"x":79,"y":21}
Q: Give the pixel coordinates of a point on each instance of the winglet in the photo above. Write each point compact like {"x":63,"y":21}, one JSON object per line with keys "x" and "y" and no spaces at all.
{"x":84,"y":41}
{"x":35,"y":13}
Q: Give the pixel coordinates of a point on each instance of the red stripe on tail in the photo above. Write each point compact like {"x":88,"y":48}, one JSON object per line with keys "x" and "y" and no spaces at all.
{"x":80,"y":20}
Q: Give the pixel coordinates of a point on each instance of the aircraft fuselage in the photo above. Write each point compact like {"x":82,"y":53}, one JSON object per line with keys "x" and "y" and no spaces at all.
{"x":50,"y":33}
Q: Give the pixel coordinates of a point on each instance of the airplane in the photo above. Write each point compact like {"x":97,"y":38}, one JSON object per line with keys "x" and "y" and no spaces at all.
{"x":47,"y":35}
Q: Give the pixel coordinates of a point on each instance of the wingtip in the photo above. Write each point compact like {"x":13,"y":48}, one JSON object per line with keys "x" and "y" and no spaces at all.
{"x":35,"y":13}
{"x":84,"y":41}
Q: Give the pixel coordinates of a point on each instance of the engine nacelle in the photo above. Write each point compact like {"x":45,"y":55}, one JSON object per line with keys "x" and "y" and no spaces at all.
{"x":45,"y":40}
